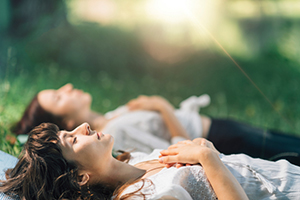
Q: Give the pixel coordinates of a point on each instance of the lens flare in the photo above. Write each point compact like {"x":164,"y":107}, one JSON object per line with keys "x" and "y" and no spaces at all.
{"x":170,"y":11}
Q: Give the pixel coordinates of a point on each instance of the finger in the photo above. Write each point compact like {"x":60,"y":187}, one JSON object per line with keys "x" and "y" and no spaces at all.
{"x":181,"y":142}
{"x":178,"y":165}
{"x":185,"y":142}
{"x":161,"y":156}
{"x":130,"y":107}
{"x":168,"y":159}
{"x":134,"y":106}
{"x":173,"y":146}
{"x":131,"y":101}
{"x":176,"y":146}
{"x":130,"y":104}
{"x":169,"y":152}
{"x":188,"y":164}
{"x":203,"y":143}
{"x":169,"y":165}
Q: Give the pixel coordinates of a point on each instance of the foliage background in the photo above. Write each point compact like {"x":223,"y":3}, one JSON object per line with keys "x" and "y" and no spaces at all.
{"x":45,"y":44}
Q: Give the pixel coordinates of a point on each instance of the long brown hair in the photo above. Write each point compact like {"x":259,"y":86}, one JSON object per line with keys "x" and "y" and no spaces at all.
{"x":43,"y":173}
{"x":33,"y":116}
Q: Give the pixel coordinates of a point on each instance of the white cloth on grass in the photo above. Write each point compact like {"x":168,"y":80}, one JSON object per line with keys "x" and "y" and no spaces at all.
{"x":6,"y":161}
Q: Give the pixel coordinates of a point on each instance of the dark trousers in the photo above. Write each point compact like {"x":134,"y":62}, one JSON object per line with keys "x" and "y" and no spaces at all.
{"x":231,"y":137}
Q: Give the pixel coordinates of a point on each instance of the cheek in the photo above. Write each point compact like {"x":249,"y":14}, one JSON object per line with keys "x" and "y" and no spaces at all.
{"x":83,"y":156}
{"x":90,"y":158}
{"x":68,"y":107}
{"x":86,"y":99}
{"x":89,"y":149}
{"x":78,"y":103}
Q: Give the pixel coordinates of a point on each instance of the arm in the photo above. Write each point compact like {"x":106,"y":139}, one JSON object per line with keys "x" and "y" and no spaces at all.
{"x":161,"y":105}
{"x":202,"y":151}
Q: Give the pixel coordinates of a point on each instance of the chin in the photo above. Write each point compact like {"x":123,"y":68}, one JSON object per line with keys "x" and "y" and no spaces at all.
{"x":88,"y":98}
{"x":111,"y":138}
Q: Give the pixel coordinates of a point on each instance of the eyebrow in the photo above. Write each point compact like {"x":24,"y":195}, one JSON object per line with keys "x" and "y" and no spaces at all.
{"x":63,"y":140}
{"x":54,"y":95}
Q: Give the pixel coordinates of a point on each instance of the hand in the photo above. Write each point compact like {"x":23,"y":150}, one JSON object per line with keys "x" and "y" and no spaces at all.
{"x":152,"y":103}
{"x":187,"y":152}
{"x":204,"y":142}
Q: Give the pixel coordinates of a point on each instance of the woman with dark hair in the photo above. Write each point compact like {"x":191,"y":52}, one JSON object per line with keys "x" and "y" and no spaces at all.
{"x":147,"y":123}
{"x":35,"y":115}
{"x":58,"y":164}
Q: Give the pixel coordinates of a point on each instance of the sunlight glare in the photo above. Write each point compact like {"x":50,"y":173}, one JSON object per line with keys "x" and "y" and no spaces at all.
{"x":171,"y":11}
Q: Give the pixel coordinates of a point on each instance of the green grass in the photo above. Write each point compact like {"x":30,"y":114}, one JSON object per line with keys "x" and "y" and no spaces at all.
{"x":113,"y":67}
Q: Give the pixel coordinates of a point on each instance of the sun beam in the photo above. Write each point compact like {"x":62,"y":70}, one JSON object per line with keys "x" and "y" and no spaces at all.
{"x":170,"y":11}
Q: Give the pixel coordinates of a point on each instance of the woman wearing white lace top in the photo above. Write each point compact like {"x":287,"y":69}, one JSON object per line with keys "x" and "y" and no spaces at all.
{"x":78,"y":165}
{"x":147,"y":123}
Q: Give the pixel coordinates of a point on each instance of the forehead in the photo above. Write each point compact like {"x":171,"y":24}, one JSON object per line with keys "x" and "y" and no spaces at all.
{"x":46,"y":99}
{"x":62,"y":137}
{"x":63,"y":143}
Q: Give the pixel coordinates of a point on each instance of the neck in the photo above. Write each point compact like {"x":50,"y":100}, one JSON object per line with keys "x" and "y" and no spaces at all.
{"x":96,"y":120}
{"x":118,"y":173}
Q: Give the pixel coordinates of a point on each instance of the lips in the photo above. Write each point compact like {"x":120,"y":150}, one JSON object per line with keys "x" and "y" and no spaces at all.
{"x":99,"y":135}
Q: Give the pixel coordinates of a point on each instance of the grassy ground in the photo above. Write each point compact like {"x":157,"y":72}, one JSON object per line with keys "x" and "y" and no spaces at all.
{"x":114,"y":68}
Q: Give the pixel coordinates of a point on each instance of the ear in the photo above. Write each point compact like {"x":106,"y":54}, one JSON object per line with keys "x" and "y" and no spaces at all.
{"x":83,"y":179}
{"x":70,"y":124}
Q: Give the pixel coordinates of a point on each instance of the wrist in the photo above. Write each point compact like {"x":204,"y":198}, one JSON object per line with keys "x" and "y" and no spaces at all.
{"x":164,"y":106}
{"x":207,"y":155}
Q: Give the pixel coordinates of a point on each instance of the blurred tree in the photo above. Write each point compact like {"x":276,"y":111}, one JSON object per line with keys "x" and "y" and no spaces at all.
{"x":35,"y":16}
{"x":4,"y":14}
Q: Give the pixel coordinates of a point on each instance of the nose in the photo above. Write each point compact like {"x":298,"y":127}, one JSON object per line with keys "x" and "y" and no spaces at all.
{"x":66,"y":88}
{"x":84,"y":129}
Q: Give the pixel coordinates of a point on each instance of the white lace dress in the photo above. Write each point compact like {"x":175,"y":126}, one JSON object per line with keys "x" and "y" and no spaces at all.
{"x":259,"y":178}
{"x":145,"y":131}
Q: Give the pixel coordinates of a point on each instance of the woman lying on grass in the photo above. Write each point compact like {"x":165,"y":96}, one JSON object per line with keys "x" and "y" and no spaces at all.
{"x":58,"y":164}
{"x":147,"y":123}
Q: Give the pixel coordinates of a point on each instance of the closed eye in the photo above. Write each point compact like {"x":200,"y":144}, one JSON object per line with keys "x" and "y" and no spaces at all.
{"x":57,"y":97}
{"x":74,"y":140}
